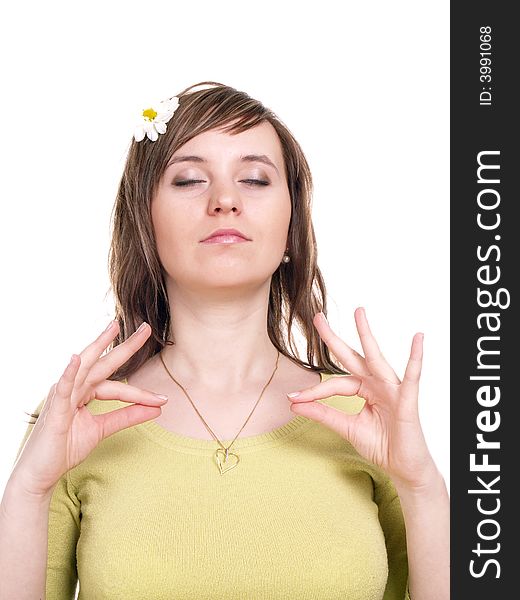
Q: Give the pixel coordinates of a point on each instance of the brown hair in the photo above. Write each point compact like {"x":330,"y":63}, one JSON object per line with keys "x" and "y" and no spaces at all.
{"x":136,"y":275}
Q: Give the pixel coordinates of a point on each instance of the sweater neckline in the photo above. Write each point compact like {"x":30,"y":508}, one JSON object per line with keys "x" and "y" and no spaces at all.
{"x":298,"y":424}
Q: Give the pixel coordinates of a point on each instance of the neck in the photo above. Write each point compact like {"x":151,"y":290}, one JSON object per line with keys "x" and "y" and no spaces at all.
{"x":220,"y":343}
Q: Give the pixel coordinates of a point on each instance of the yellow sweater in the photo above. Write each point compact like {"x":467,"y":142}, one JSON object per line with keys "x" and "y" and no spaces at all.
{"x":148,"y":516}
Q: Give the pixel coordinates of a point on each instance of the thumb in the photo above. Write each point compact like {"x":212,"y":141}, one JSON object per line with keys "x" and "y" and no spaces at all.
{"x":116,"y":420}
{"x":333,"y":418}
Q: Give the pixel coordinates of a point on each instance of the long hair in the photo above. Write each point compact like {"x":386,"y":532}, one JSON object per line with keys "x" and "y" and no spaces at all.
{"x":297,"y":289}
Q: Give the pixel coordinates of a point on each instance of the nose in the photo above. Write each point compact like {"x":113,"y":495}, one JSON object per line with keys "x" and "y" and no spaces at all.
{"x":224,"y":198}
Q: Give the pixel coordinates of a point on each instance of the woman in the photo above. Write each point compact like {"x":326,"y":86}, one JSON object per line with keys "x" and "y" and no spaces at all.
{"x":231,"y":486}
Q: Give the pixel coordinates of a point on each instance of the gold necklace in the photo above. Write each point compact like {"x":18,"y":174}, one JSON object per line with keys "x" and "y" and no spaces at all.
{"x":222,"y":454}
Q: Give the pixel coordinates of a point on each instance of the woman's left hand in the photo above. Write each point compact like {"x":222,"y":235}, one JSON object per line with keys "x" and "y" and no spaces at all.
{"x":387,"y":430}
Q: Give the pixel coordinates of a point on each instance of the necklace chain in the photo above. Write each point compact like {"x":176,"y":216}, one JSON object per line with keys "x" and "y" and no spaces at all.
{"x":223,"y":450}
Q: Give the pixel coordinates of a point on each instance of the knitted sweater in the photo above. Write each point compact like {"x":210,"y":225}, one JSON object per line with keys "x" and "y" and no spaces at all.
{"x":147,"y":515}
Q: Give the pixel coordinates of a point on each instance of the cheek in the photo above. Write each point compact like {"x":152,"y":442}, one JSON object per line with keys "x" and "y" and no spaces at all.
{"x":276,"y":227}
{"x":171,"y":232}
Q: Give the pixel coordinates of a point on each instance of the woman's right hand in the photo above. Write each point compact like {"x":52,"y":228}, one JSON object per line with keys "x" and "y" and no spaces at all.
{"x":66,"y":432}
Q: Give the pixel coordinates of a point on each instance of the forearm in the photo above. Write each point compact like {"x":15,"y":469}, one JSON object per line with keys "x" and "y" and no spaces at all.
{"x":24,"y":520}
{"x":426,"y":512}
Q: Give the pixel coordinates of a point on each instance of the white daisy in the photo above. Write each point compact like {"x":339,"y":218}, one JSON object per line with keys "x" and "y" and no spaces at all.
{"x":154,"y":119}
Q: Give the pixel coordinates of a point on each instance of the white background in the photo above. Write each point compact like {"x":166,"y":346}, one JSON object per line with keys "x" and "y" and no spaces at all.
{"x":363,"y":87}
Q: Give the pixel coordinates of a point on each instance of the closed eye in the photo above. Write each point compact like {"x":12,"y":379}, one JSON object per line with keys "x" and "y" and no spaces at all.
{"x":256,"y":181}
{"x":188,"y":182}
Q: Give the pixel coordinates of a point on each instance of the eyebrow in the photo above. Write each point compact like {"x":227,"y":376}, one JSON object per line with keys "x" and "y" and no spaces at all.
{"x":247,"y":158}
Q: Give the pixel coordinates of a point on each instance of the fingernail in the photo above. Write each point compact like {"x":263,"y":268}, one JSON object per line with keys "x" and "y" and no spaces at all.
{"x":161,"y":396}
{"x":324,"y":318}
{"x":110,"y":325}
{"x":293,"y":394}
{"x":141,"y":327}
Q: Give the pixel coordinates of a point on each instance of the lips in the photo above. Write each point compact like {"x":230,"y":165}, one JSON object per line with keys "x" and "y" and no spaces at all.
{"x":226,"y":236}
{"x":225,"y":239}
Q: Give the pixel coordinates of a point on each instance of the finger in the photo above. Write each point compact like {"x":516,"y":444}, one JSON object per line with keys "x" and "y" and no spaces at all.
{"x":374,"y":358}
{"x":57,"y":403}
{"x":121,"y":418}
{"x":62,"y":391}
{"x":347,"y":385}
{"x":331,"y":417}
{"x":91,"y":353}
{"x":101,"y":368}
{"x":410,"y":384}
{"x":117,"y":390}
{"x":348,"y":357}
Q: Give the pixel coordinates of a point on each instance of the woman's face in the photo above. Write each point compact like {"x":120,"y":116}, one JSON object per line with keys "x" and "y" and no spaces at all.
{"x":222,"y":171}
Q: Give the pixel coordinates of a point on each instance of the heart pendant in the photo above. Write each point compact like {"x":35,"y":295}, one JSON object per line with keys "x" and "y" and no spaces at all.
{"x":221,"y":462}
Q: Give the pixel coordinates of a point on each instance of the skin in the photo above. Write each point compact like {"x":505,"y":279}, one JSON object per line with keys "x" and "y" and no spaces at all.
{"x":218,"y":297}
{"x":219,"y":293}
{"x":387,"y":431}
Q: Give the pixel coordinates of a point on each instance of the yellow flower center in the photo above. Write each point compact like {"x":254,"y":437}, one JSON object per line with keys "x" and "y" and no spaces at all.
{"x":149,"y":114}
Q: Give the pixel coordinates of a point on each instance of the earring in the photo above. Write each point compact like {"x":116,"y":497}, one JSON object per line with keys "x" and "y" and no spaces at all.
{"x":286,"y":258}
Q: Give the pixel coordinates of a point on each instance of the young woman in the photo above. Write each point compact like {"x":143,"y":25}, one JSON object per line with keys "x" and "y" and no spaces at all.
{"x":226,"y":485}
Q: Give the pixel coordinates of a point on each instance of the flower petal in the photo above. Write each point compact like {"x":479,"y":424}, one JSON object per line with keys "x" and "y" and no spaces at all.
{"x":163,"y":117}
{"x":160,"y":127}
{"x":169,"y":105}
{"x":152,"y":134}
{"x":139,"y":133}
{"x":166,"y":110}
{"x":152,"y":128}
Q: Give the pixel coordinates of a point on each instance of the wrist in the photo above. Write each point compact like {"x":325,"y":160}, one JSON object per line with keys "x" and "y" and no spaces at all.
{"x":16,"y":489}
{"x":429,"y":481}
